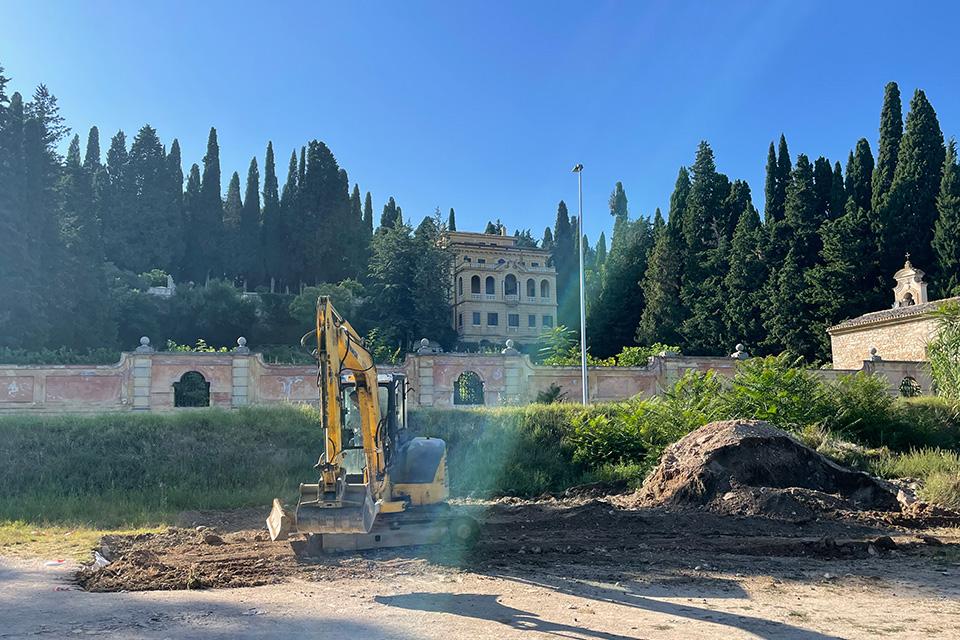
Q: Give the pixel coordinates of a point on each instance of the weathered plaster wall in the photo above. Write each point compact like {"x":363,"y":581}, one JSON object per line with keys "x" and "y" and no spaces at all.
{"x":900,"y":340}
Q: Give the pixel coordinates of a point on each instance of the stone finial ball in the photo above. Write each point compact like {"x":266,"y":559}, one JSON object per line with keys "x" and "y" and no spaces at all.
{"x":241,"y":341}
{"x":424,"y":342}
{"x":739,"y":346}
{"x":144,"y":341}
{"x":873,"y":351}
{"x":509,"y":343}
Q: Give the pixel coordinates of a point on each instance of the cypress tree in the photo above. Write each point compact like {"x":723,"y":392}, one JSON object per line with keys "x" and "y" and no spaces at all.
{"x":150,"y":230}
{"x":116,"y":198}
{"x":946,"y":237}
{"x":891,"y":131}
{"x":230,"y":243}
{"x":251,"y":259}
{"x":547,"y":242}
{"x":91,"y":159}
{"x":273,"y":234}
{"x":210,"y":214}
{"x":771,"y":208}
{"x":175,"y":214}
{"x":602,"y":246}
{"x":452,"y":221}
{"x":565,"y":261}
{"x":802,"y":213}
{"x":838,"y":193}
{"x":706,"y":243}
{"x":663,"y":312}
{"x":912,"y":202}
{"x":784,"y":168}
{"x":359,"y":254}
{"x":291,"y":270}
{"x":368,"y":214}
{"x":22,"y":321}
{"x":490,"y":229}
{"x":618,"y":209}
{"x":743,"y":283}
{"x":860,"y":173}
{"x":823,"y":189}
{"x":390,"y":217}
{"x":85,"y":320}
{"x":193,"y":262}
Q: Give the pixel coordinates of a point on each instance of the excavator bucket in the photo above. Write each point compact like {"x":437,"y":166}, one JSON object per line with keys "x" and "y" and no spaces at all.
{"x":354,"y":512}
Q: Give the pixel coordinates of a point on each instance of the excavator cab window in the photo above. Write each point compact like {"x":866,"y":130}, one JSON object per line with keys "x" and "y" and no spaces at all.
{"x":354,"y":461}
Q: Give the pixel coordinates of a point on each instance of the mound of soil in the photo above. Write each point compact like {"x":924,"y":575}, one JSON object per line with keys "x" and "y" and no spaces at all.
{"x":748,"y":467}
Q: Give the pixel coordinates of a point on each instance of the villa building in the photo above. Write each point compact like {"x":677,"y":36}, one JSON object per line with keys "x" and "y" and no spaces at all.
{"x":900,"y":333}
{"x":500,"y":290}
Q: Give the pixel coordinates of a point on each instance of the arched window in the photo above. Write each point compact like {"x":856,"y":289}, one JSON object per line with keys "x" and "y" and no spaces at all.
{"x":475,"y":284}
{"x":460,"y":286}
{"x":531,"y":288}
{"x":468,"y":389}
{"x":544,"y":288}
{"x":491,"y":285}
{"x":193,"y":390}
{"x":510,"y":285}
{"x":910,"y":388}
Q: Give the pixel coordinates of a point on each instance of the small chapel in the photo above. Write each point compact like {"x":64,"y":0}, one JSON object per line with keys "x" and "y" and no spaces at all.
{"x":900,"y":333}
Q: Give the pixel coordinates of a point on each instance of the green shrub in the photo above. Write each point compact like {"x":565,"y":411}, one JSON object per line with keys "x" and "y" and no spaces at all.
{"x":779,"y":390}
{"x":59,"y":356}
{"x":944,"y":352}
{"x":942,"y":489}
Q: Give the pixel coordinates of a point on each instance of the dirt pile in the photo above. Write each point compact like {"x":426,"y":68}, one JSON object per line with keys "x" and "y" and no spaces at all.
{"x":748,"y":467}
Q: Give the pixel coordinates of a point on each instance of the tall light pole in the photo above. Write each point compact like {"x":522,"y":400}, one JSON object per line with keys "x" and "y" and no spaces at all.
{"x":583,"y":304}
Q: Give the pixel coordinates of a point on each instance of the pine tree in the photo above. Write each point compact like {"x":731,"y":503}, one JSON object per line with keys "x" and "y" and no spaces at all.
{"x":946,"y":237}
{"x":743,"y":283}
{"x":210,"y":215}
{"x":91,"y":159}
{"x":273,"y":232}
{"x":251,"y":258}
{"x":452,"y":220}
{"x":891,"y":131}
{"x":911,"y":205}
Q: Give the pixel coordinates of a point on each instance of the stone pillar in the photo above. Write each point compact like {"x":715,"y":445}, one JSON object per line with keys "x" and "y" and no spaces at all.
{"x":241,"y":381}
{"x":425,"y":381}
{"x":512,"y":385}
{"x":142,"y":364}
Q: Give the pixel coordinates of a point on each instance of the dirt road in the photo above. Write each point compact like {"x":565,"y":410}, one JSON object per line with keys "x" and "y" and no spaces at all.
{"x":570,"y":569}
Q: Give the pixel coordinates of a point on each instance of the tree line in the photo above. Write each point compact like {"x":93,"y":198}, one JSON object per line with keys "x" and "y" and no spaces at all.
{"x":77,"y":233}
{"x":713,"y":273}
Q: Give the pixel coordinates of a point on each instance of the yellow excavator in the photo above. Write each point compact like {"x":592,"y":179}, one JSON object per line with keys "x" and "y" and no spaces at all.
{"x":378,"y":486}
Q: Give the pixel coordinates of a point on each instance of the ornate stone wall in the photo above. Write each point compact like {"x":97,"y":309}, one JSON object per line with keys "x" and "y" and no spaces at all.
{"x":899,"y":339}
{"x":144,"y":380}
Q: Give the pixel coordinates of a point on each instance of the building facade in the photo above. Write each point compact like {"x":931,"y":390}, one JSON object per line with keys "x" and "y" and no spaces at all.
{"x":898,"y":334}
{"x":500,"y":290}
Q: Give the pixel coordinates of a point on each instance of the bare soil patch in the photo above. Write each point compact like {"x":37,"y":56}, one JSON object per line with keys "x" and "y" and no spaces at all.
{"x":731,"y":494}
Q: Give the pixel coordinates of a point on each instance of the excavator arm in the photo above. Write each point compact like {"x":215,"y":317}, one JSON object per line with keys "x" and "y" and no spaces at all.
{"x":340,"y":502}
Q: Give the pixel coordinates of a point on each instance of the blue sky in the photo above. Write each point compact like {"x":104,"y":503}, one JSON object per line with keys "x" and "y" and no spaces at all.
{"x":485,"y":106}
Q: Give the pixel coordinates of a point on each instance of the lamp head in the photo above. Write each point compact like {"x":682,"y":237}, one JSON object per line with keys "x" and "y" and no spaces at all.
{"x":578,"y":168}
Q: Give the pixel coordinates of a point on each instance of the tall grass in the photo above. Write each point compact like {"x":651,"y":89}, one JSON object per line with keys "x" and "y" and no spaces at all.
{"x":129,"y":468}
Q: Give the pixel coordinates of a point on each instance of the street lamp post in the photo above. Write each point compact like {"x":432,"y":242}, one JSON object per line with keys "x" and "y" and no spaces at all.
{"x":583,"y":305}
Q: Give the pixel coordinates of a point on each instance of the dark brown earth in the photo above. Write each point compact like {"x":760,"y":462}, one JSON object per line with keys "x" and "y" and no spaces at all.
{"x":730,"y":496}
